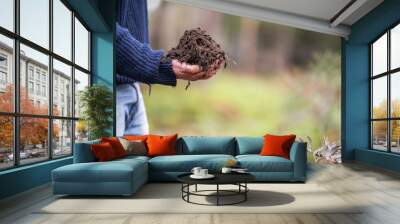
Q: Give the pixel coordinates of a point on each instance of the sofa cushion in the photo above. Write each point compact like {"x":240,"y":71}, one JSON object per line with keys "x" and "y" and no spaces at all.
{"x":134,"y":147}
{"x":116,"y":145}
{"x":196,"y":145}
{"x":83,"y":152}
{"x":133,"y":157}
{"x":249,"y":145}
{"x":103,"y":152}
{"x":185,"y":163}
{"x":275,"y":145}
{"x":159,"y":145}
{"x":257,"y":163}
{"x":112,"y":171}
{"x":136,"y":137}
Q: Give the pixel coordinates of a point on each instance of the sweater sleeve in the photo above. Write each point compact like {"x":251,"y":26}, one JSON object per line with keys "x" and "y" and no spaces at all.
{"x":139,"y":62}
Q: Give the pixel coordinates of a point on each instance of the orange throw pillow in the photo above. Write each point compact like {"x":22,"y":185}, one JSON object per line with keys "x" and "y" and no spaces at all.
{"x":116,"y":145}
{"x":136,"y":137}
{"x":103,"y":152}
{"x":277,"y":145}
{"x":161,"y":145}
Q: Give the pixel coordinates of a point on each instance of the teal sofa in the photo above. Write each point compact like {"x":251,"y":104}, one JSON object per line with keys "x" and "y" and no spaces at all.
{"x":125,"y":176}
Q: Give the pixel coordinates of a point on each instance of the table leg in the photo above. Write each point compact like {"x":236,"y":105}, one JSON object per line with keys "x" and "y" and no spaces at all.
{"x":188,"y":190}
{"x":245,"y":193}
{"x":195,"y":188}
{"x":217,"y":194}
{"x":182,"y":189}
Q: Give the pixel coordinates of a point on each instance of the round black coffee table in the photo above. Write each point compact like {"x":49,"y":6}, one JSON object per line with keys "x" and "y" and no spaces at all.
{"x":238,"y":179}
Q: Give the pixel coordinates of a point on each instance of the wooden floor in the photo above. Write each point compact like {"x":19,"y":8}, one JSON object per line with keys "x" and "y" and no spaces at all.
{"x":377,"y":188}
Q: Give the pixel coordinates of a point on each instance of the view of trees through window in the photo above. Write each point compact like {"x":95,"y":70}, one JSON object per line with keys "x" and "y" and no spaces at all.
{"x":385,"y":91}
{"x":39,"y":85}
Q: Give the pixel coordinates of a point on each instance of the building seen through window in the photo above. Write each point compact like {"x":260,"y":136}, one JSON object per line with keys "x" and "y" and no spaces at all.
{"x":43,"y":112}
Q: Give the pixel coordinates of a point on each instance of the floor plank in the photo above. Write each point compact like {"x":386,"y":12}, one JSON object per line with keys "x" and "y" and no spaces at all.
{"x":376,"y":189}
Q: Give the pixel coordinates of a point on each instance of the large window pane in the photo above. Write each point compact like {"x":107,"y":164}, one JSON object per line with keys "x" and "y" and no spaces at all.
{"x":62,"y":29}
{"x":81,"y":45}
{"x":6,"y":74}
{"x":7,"y":14}
{"x":379,"y":56}
{"x":34,"y":72}
{"x":379,"y":135}
{"x":81,"y":131}
{"x":379,"y":97}
{"x":62,"y":138}
{"x":62,"y":89}
{"x":6,"y":142}
{"x":81,"y":81}
{"x":395,"y":136}
{"x":34,"y":81}
{"x":33,"y":139}
{"x":35,"y":21}
{"x":395,"y":47}
{"x":395,"y":95}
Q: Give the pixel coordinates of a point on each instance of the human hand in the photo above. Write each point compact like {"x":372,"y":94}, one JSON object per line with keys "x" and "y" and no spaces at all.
{"x":213,"y":69}
{"x":193,"y":72}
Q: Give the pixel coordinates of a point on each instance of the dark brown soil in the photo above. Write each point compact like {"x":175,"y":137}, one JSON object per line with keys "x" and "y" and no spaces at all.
{"x":197,"y":48}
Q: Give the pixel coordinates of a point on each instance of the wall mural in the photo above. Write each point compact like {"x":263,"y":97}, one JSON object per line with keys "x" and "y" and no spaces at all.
{"x":278,"y":79}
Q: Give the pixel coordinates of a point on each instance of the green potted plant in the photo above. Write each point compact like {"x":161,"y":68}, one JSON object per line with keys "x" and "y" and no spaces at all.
{"x":96,"y":102}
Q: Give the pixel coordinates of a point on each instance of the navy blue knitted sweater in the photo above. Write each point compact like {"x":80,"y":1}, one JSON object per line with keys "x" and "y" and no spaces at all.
{"x":135,"y":60}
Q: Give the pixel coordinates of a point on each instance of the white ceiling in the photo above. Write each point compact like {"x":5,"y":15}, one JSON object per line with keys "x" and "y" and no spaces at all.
{"x":314,"y":15}
{"x":320,"y":9}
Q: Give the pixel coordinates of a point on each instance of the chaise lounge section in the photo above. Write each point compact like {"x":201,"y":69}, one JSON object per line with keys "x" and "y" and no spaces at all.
{"x":88,"y":177}
{"x":125,"y":176}
{"x":271,"y":168}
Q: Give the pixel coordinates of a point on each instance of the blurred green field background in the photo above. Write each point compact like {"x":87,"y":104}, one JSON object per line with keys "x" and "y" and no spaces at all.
{"x":252,"y":105}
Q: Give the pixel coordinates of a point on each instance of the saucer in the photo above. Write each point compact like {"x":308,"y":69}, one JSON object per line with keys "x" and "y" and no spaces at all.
{"x":208,"y":176}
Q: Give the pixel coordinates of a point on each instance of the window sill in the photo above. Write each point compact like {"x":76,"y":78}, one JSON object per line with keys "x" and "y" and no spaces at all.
{"x":25,"y":167}
{"x":381,"y":159}
{"x":381,"y":151}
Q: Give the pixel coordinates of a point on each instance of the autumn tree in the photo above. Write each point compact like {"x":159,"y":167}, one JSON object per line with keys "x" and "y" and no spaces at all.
{"x":380,"y":127}
{"x":6,"y":122}
{"x":33,"y":131}
{"x":81,"y":130}
{"x":395,"y":123}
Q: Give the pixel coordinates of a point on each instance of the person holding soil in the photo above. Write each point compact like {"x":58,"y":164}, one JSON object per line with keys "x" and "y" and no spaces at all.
{"x":137,"y":62}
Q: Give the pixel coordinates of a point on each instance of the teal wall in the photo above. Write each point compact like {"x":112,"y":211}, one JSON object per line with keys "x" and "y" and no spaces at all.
{"x":380,"y":159}
{"x":92,"y":14}
{"x":103,"y":63}
{"x":102,"y":59}
{"x":24,"y":178}
{"x":103,"y":54}
{"x":355,"y":86}
{"x":99,"y":15}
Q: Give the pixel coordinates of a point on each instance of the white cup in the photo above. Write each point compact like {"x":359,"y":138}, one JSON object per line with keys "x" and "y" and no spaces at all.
{"x":203,"y":172}
{"x":196,"y":171}
{"x":226,"y":170}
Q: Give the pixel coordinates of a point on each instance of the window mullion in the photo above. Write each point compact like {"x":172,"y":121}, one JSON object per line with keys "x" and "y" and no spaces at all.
{"x":16,"y":84}
{"x":50,"y":81}
{"x":89,"y":53}
{"x":389,"y":104}
{"x":73,"y":82}
{"x":371,"y":140}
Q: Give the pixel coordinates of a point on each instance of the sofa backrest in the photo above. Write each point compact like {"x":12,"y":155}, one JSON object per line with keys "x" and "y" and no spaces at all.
{"x":194,"y":145}
{"x":249,"y":145}
{"x":83,"y":152}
